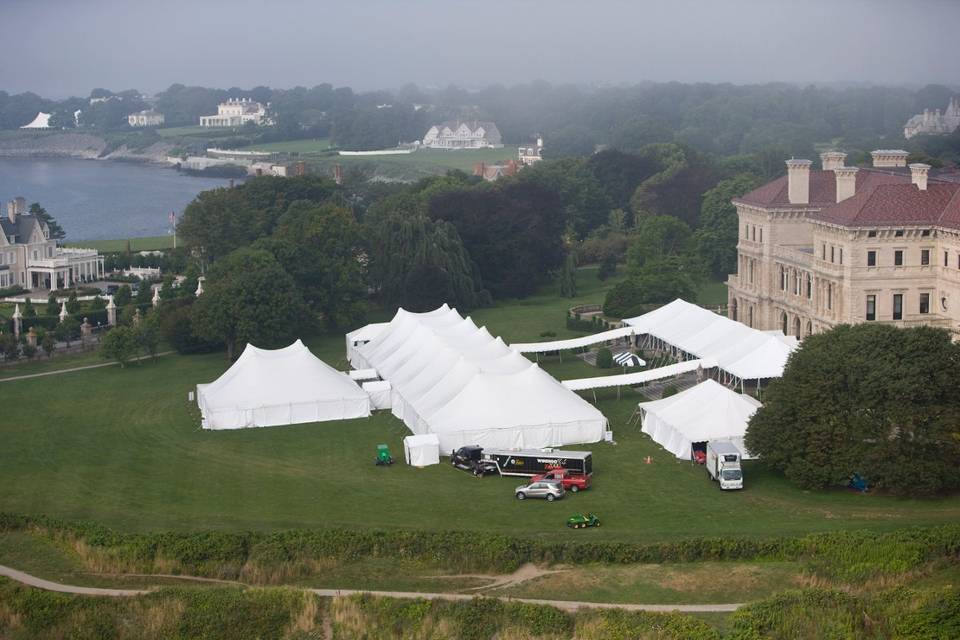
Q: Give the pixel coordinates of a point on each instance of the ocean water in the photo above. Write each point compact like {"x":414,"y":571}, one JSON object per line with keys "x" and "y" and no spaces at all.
{"x":95,"y":200}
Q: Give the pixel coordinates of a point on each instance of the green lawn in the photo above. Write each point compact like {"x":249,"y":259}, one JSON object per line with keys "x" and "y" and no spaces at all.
{"x":196,"y":131}
{"x":124,"y":447}
{"x":151,"y":243}
{"x":293,"y":146}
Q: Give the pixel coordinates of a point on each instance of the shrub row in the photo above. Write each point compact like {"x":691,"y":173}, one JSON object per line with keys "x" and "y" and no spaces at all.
{"x":842,"y":555}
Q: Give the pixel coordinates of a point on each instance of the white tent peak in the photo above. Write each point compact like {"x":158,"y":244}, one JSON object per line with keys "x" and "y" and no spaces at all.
{"x":41,"y":121}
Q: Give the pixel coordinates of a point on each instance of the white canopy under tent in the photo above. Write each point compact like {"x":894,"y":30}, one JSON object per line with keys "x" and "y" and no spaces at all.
{"x":455,"y":380}
{"x":708,"y":412}
{"x":272,"y":387}
{"x":422,"y":450}
{"x":639,"y":377}
{"x":613,"y":335}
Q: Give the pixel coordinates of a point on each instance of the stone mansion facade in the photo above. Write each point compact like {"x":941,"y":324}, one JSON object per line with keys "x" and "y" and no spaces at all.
{"x":29,"y":258}
{"x":819,"y":248}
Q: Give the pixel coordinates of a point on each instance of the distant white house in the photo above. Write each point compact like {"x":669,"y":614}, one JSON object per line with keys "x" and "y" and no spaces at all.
{"x":531,"y":153}
{"x":933,"y":122}
{"x":236,"y":113}
{"x":145,"y":118}
{"x":457,"y":134}
{"x":42,"y":121}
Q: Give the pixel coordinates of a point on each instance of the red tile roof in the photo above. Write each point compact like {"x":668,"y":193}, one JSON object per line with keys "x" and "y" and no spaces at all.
{"x":898,"y":204}
{"x":823,"y":188}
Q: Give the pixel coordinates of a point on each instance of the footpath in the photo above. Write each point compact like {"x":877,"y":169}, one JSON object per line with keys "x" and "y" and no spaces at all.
{"x":83,"y":368}
{"x":567,"y":605}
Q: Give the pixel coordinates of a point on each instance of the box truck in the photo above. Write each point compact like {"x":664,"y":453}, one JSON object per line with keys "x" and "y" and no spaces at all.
{"x":723,"y":465}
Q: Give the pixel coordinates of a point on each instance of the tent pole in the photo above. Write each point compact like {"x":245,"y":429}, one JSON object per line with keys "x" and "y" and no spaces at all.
{"x":594,"y":396}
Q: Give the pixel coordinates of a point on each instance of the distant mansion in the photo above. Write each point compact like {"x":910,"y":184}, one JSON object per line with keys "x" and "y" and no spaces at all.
{"x":934,"y":122}
{"x":147,"y":118}
{"x":31,"y":259}
{"x":236,"y":113}
{"x":458,"y":134}
{"x":819,"y":248}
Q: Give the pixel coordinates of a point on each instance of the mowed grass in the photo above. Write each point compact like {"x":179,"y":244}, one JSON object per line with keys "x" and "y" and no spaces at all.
{"x":315,"y":145}
{"x":150,"y":243}
{"x":124,"y":447}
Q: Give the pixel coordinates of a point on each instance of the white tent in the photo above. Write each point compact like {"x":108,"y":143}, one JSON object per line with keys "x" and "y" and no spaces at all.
{"x":746,"y":353}
{"x":379,"y":392}
{"x":42,"y":121}
{"x":454,"y":379}
{"x":422,"y":450}
{"x":266,"y":388}
{"x":706,"y":412}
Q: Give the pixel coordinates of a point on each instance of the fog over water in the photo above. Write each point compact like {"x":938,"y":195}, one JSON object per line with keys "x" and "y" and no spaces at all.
{"x":69,"y":47}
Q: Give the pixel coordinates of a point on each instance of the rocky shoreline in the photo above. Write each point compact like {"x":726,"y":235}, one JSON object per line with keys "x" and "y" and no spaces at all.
{"x":80,"y":145}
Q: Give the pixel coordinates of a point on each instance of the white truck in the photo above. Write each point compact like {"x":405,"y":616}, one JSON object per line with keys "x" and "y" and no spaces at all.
{"x":723,"y":465}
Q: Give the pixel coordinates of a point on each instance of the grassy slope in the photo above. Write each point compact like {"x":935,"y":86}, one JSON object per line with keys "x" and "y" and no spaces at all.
{"x":292,"y":146}
{"x":123,"y":446}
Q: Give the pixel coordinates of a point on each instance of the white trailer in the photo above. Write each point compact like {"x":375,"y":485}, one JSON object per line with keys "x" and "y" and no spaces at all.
{"x":723,"y":465}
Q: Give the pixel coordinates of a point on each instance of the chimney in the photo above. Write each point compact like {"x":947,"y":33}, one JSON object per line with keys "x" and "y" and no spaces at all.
{"x":831,"y":160}
{"x":12,"y":211}
{"x":846,"y":182}
{"x":798,"y":181}
{"x":918,"y":175}
{"x":886,"y":158}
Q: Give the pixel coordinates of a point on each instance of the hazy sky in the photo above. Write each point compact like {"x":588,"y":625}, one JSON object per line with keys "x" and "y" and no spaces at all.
{"x":62,"y":47}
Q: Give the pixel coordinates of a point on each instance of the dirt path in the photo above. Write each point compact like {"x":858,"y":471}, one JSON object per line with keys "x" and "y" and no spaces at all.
{"x":72,"y":369}
{"x":525,"y":573}
{"x":40,"y":583}
{"x":567,"y":605}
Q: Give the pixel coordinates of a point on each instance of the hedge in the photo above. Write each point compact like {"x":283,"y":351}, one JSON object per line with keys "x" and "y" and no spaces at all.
{"x":845,"y":555}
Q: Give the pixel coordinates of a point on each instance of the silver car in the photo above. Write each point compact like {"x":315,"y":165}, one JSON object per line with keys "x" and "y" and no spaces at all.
{"x":549,"y":490}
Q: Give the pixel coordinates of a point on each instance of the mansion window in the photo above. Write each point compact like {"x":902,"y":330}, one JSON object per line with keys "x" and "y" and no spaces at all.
{"x":898,"y":306}
{"x":823,"y":251}
{"x":946,"y":259}
{"x":924,"y":303}
{"x":796,"y":284}
{"x":925,"y":257}
{"x":783,"y":279}
{"x":761,"y":234}
{"x":871,"y":258}
{"x":829,"y":295}
{"x":746,"y":231}
{"x":841,"y":255}
{"x":871,"y":307}
{"x":898,"y":233}
{"x":809,"y":287}
{"x":831,"y":253}
{"x":750,"y":270}
{"x":753,"y":233}
{"x":871,"y":234}
{"x":898,"y":258}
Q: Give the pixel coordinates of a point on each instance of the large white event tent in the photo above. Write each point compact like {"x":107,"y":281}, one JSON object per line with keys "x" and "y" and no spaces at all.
{"x":453,"y":379}
{"x":271,"y":387}
{"x":704,"y":413}
{"x":748,"y":354}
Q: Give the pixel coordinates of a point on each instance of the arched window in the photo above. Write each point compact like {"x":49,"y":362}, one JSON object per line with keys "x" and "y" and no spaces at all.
{"x":733,"y":309}
{"x":796,"y":328}
{"x":750,"y":316}
{"x":783,"y":324}
{"x":809,"y":328}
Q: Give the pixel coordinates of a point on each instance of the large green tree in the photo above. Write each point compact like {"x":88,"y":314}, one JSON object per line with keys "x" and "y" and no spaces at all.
{"x":56,"y":231}
{"x":321,"y":248}
{"x":248,"y":297}
{"x":586,"y":205}
{"x":219,"y":221}
{"x":871,"y":399}
{"x":717,"y":236}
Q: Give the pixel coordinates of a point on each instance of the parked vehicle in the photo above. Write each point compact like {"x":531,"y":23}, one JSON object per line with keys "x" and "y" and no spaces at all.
{"x":723,"y":465}
{"x":508,"y":462}
{"x":383,"y":456}
{"x":582,"y":521}
{"x":549,"y":491}
{"x":471,"y":459}
{"x":573,"y":481}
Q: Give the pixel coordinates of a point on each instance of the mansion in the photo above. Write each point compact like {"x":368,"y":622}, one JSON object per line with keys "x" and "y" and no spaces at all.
{"x":146,"y":118}
{"x":29,"y":258}
{"x":823,"y":247}
{"x":934,"y":122}
{"x":236,"y":113}
{"x":463,"y":135}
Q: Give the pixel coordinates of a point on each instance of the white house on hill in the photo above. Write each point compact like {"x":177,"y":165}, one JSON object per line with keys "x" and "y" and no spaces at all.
{"x":472,"y":134}
{"x":236,"y":113}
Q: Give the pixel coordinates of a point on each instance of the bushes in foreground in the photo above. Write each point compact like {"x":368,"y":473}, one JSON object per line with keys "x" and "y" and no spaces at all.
{"x":846,"y":556}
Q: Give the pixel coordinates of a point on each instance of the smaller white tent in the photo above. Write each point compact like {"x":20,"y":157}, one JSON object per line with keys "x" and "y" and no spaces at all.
{"x":422,"y":450}
{"x":272,"y":387}
{"x":704,"y":413}
{"x":379,"y":392}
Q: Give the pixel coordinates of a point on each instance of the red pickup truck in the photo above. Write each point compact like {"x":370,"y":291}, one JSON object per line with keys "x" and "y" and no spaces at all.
{"x":571,"y":480}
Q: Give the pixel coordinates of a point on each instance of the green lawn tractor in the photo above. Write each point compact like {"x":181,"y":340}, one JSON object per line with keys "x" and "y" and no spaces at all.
{"x":582,"y":521}
{"x":383,"y":456}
